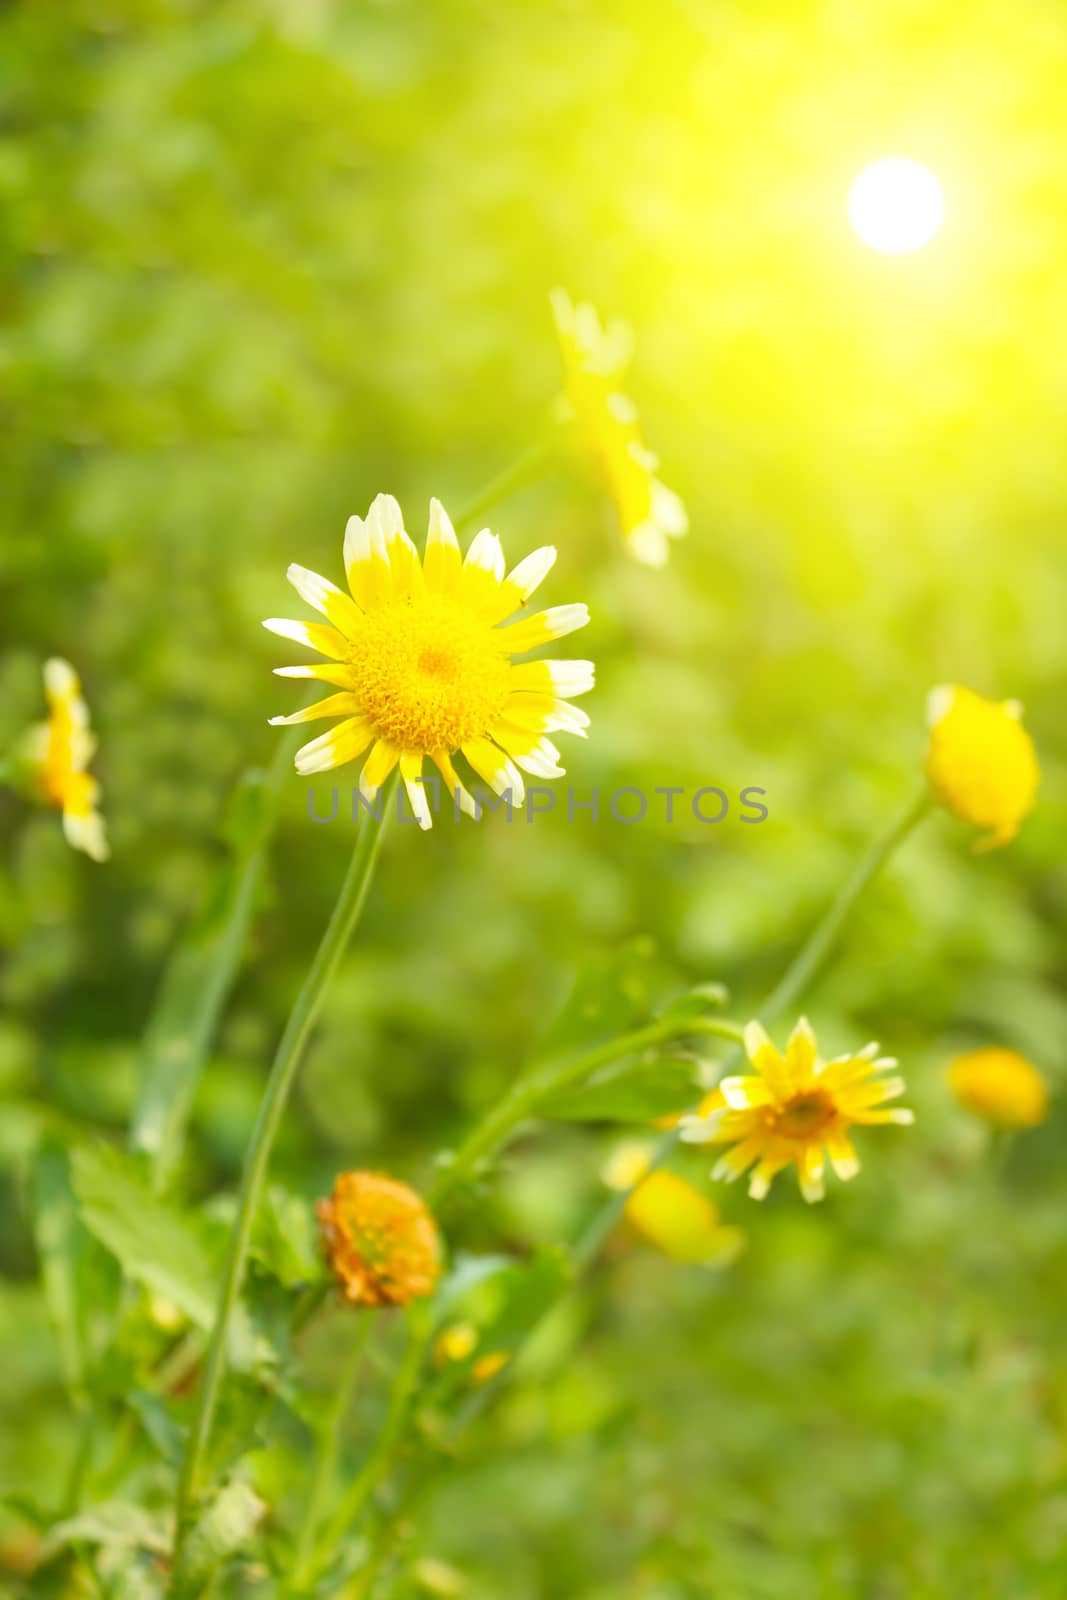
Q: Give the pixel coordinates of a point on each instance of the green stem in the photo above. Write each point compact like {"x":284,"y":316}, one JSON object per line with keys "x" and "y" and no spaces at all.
{"x":82,"y":1460}
{"x":345,"y":915}
{"x":522,"y":471}
{"x":328,"y":1449}
{"x":813,"y":952}
{"x":531,"y":1091}
{"x":420,"y":1323}
{"x":793,"y":982}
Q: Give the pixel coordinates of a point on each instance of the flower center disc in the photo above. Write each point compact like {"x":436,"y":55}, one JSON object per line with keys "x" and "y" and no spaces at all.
{"x":805,"y":1115}
{"x":430,"y":675}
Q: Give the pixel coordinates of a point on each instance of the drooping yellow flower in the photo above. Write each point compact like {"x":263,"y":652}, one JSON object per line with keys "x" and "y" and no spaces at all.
{"x":981,"y":762}
{"x":796,"y":1108}
{"x":1001,"y":1087}
{"x":422,"y":659}
{"x":58,"y":753}
{"x":669,"y":1212}
{"x":380,"y":1240}
{"x":595,"y":360}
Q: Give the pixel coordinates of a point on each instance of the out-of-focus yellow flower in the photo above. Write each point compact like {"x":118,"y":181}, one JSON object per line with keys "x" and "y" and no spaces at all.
{"x":1000,"y":1086}
{"x":486,"y":1367}
{"x":981,"y":761}
{"x":793,"y":1109}
{"x":380,"y":1240}
{"x":422,"y":661}
{"x":455,"y":1343}
{"x":439,"y":1578}
{"x":595,"y":360}
{"x":669,"y":1212}
{"x":58,"y":753}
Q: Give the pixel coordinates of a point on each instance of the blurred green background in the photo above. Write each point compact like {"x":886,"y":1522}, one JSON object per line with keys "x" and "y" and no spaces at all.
{"x":266,"y":260}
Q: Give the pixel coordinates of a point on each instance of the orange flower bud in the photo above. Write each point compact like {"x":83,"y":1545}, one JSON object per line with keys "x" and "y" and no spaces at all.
{"x":380,"y":1240}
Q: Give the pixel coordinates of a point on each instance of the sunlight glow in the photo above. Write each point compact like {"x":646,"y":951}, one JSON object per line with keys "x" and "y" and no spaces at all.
{"x":896,"y":205}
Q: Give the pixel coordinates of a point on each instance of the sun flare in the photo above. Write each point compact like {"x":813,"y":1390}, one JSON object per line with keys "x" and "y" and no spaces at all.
{"x":896,"y":206}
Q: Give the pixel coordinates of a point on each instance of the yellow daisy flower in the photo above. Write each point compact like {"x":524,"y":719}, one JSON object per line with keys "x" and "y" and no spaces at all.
{"x":380,"y":1240}
{"x":1000,"y":1086}
{"x":793,"y":1109}
{"x":58,"y":753}
{"x":669,"y":1212}
{"x":421,"y":656}
{"x":595,"y":360}
{"x":981,"y":762}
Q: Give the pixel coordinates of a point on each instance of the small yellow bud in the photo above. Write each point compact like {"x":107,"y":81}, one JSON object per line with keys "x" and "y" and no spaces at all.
{"x":1001,"y":1087}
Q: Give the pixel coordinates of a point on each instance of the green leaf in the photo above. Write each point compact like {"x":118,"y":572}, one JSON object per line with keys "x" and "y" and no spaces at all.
{"x":506,"y":1301}
{"x":240,"y":1424}
{"x":61,"y":1246}
{"x":159,"y":1424}
{"x":695,"y":1002}
{"x":611,"y":995}
{"x":467,"y":1274}
{"x":201,"y":973}
{"x":112,"y":1524}
{"x":228,"y":1523}
{"x":285,"y":1238}
{"x":638,"y":1091}
{"x":155,"y":1244}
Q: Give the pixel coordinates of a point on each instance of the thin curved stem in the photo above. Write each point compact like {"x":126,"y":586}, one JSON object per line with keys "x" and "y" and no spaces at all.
{"x":811,"y":955}
{"x":531,"y":1091}
{"x":525,"y":469}
{"x":287,"y":1058}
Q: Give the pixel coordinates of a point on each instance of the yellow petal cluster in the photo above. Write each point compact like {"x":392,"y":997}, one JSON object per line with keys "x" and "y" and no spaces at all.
{"x":980,"y":762}
{"x":1001,"y":1087}
{"x":58,"y":754}
{"x":795,"y":1109}
{"x":595,"y":360}
{"x":421,"y":656}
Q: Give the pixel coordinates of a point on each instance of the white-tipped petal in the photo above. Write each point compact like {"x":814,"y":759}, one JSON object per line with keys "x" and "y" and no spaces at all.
{"x":411,"y":775}
{"x":700,"y":1130}
{"x":325,"y":597}
{"x":532,"y":571}
{"x":542,"y":761}
{"x":571,"y":678}
{"x":318,"y":636}
{"x":486,"y":553}
{"x":60,"y":679}
{"x":939,"y":703}
{"x":528,"y":575}
{"x":385,"y":518}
